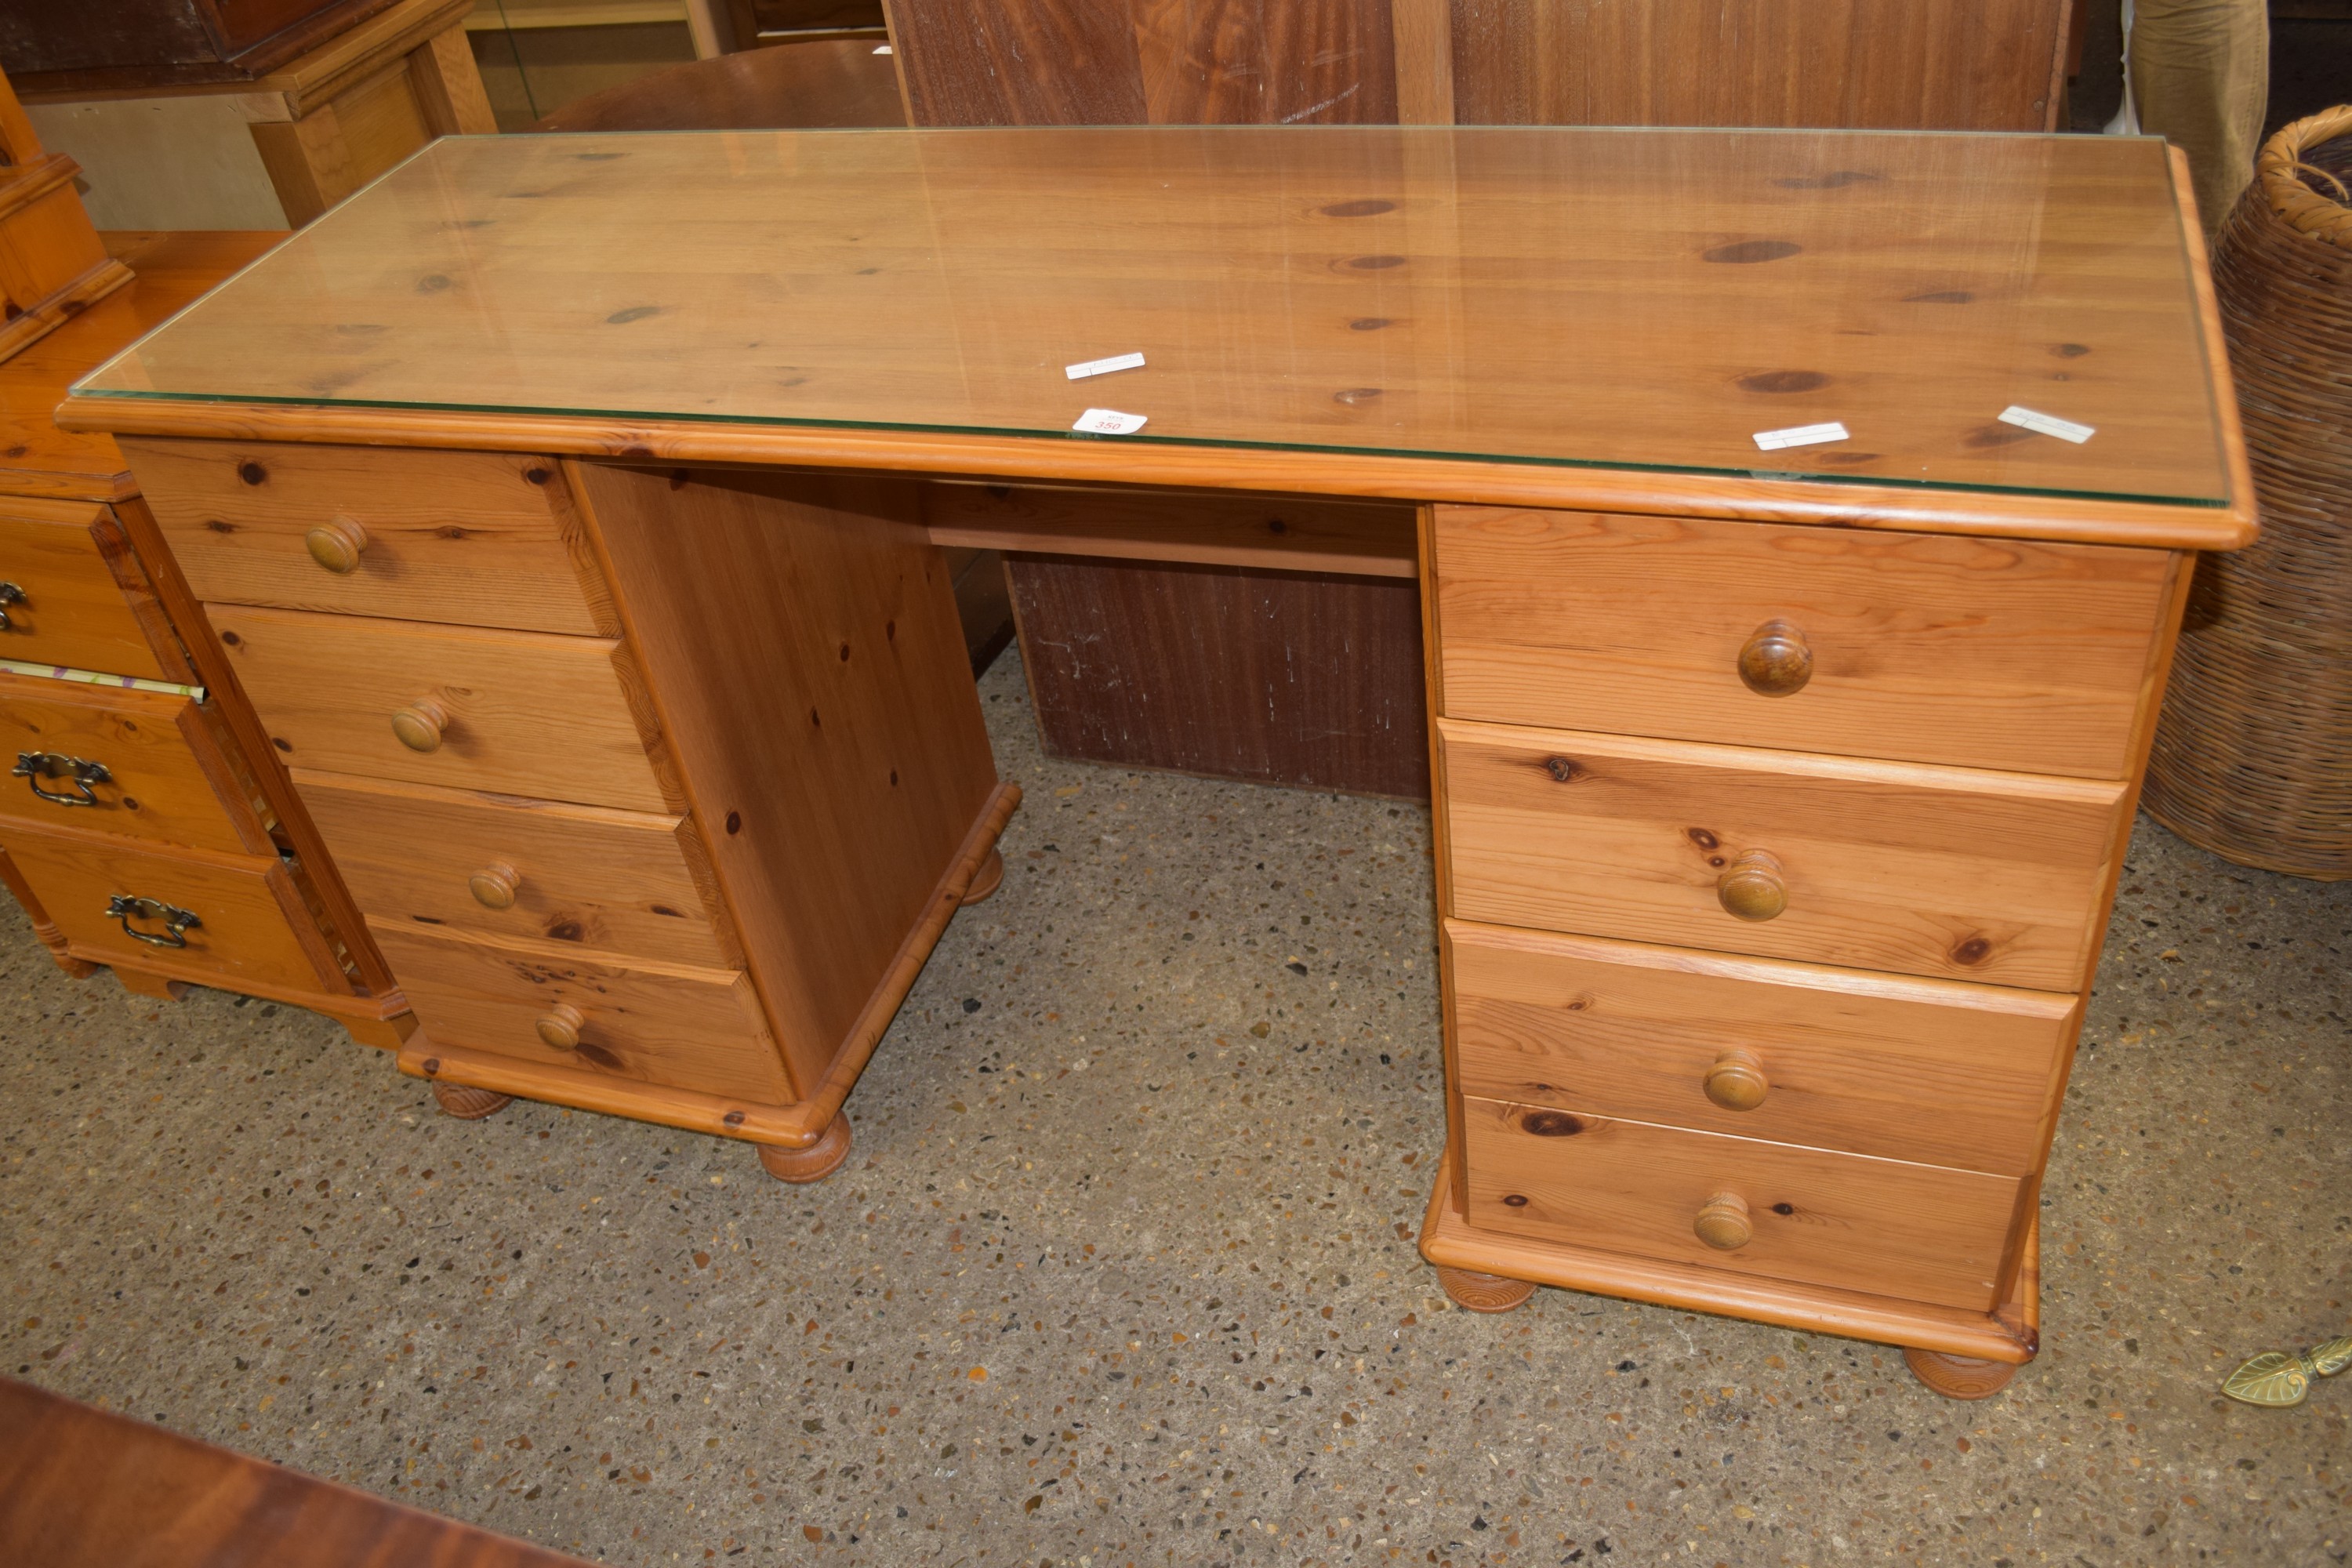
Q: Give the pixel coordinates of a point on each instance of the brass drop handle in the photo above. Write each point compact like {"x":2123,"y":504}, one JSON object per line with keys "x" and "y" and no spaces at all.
{"x":1753,"y":887}
{"x":418,"y":726}
{"x":1722,"y":1223}
{"x":336,"y":545}
{"x":1776,"y":661}
{"x":35,"y":766}
{"x":177,"y":922}
{"x":494,"y":886}
{"x":11,"y":594}
{"x":1737,"y":1080}
{"x":559,"y":1027}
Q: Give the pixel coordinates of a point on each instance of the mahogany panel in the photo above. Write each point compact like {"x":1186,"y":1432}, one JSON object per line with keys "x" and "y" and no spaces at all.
{"x":1951,"y":65}
{"x":1295,"y":678}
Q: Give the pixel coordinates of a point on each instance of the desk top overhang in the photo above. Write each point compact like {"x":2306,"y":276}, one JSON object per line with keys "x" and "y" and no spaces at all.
{"x":1536,"y":316}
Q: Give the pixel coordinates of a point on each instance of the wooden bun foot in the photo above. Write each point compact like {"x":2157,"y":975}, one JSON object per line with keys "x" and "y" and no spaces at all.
{"x":813,"y":1164}
{"x":1959,"y":1376}
{"x":1483,"y":1292}
{"x":469,"y":1104}
{"x":986,"y":880}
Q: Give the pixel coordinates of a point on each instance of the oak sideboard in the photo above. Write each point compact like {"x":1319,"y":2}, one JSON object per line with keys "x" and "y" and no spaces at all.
{"x":1802,"y":521}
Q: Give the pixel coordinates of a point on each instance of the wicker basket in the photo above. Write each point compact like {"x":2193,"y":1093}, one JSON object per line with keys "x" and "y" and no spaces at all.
{"x":2253,"y":752}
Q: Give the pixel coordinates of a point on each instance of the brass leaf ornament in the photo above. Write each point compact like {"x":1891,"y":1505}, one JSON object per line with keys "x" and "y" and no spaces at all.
{"x":2278,"y":1381}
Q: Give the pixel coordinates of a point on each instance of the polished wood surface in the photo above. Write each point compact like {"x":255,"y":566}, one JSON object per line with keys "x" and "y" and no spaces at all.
{"x":1922,"y":1070}
{"x":129,"y":45}
{"x":464,"y":537}
{"x":614,"y":881}
{"x":1310,"y":679}
{"x":1894,"y":866}
{"x":1922,"y":1233}
{"x":1215,"y":253}
{"x":2010,"y":1333}
{"x":803,"y":84}
{"x":82,"y":600}
{"x":81,"y":1488}
{"x":522,"y":712}
{"x":52,"y":265}
{"x":1136,"y":62}
{"x":1983,"y":653}
{"x":168,"y":270}
{"x":173,"y":776}
{"x":1956,"y":65}
{"x":686,"y":1027}
{"x":837,"y":766}
{"x":255,"y":928}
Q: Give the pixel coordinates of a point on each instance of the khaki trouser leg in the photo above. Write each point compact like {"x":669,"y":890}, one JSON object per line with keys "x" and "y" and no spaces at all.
{"x":2201,"y":76}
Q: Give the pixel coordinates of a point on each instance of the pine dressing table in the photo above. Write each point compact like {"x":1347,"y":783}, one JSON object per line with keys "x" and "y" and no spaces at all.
{"x":569,"y":508}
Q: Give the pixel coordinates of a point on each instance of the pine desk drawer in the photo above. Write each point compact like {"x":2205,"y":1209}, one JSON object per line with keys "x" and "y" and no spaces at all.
{"x":146,"y":764}
{"x":683,"y":1028}
{"x":1925,"y":1070}
{"x":1892,"y":865}
{"x":73,"y":594}
{"x":1920,"y":1232}
{"x":616,"y":881}
{"x":120,"y":901}
{"x":1985,"y":653}
{"x":555,"y":718}
{"x":475,"y":538}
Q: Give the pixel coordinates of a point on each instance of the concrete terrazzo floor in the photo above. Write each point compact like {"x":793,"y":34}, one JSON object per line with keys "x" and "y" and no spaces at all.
{"x":1121,"y":1269}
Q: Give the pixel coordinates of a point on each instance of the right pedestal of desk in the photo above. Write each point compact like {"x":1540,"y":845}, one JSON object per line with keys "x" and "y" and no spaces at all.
{"x":1773,"y":866}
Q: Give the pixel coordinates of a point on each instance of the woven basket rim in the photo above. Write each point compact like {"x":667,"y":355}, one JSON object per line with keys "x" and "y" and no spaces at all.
{"x":2279,"y":167}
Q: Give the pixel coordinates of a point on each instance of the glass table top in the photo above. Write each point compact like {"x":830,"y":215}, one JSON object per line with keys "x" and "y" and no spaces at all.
{"x":1631,"y":299}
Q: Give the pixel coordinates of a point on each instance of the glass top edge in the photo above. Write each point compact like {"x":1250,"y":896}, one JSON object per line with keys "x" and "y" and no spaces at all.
{"x":1211,"y":443}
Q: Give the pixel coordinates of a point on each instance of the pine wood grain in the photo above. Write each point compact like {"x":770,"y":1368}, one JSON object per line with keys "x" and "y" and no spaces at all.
{"x":684,"y":1026}
{"x":477,"y":539}
{"x":550,"y":717}
{"x":1928,"y":1071}
{"x":1978,"y":652}
{"x":1937,"y":871}
{"x":174,"y":777}
{"x":2010,"y":1333}
{"x":801,"y":639}
{"x":87,"y":604}
{"x":255,"y":928}
{"x":718,"y":1115}
{"x":1293,"y":533}
{"x":618,"y":882}
{"x":1919,"y":1232}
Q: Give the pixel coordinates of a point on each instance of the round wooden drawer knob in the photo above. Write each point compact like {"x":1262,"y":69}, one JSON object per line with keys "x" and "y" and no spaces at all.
{"x":1737,"y":1080}
{"x":1752,"y":887}
{"x":1776,"y":661}
{"x":1722,"y":1224}
{"x":336,"y":545}
{"x":559,"y":1027}
{"x":418,"y":726}
{"x":494,"y":886}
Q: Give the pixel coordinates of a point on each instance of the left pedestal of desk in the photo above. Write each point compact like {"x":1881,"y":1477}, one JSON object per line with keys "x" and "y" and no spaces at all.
{"x":657,"y":788}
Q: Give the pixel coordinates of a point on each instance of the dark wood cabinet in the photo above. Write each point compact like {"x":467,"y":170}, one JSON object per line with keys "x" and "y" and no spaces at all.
{"x":136,"y":44}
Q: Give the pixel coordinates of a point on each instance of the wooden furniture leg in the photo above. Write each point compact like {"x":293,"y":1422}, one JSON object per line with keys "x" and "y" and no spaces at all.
{"x":986,"y":880}
{"x":813,"y":1164}
{"x":470,"y":1104}
{"x":43,"y":926}
{"x":1483,"y":1292}
{"x":1959,"y":1376}
{"x":141,"y":983}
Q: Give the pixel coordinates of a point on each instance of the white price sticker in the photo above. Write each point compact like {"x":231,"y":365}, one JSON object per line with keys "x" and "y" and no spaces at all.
{"x":1103,"y":366}
{"x":2047,"y":425}
{"x":1802,"y":435}
{"x":1110,"y":422}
